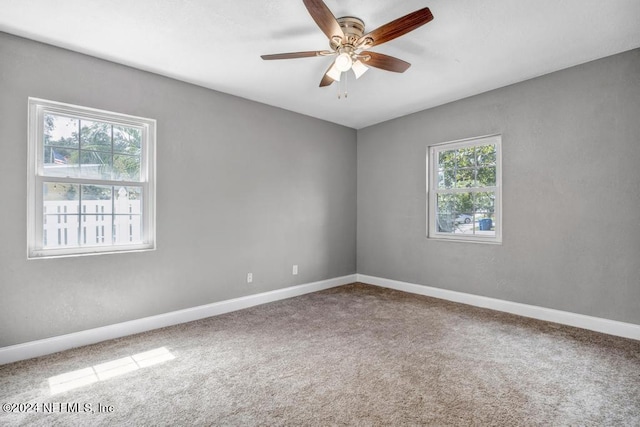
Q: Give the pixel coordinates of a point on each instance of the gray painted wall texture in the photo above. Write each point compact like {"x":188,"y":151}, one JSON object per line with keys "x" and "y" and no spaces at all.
{"x":571,"y":193}
{"x":241,"y":187}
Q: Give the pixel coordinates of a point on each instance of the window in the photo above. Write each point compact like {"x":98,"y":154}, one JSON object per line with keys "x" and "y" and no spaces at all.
{"x":91,"y":181}
{"x":464,"y":190}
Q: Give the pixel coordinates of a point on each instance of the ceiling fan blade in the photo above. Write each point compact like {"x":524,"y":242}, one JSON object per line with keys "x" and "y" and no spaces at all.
{"x":326,"y":80}
{"x":293,"y":55}
{"x":384,"y":62}
{"x":324,"y":18}
{"x":395,"y":28}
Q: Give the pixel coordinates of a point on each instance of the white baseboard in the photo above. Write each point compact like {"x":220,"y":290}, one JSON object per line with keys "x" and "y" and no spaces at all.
{"x":91,"y":336}
{"x":611,"y":327}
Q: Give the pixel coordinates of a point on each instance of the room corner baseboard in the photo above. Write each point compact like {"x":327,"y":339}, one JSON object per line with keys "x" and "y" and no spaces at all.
{"x":611,"y":327}
{"x":46,"y":346}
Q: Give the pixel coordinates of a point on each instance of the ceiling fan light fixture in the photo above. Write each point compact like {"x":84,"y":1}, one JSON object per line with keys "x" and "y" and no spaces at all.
{"x":359,"y":68}
{"x":334,"y":73}
{"x":344,"y":62}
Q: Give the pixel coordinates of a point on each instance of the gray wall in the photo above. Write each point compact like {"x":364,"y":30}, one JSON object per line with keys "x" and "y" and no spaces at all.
{"x":571,"y":193}
{"x":242,"y":187}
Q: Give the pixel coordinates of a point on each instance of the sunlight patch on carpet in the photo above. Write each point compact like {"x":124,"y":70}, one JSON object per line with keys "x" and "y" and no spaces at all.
{"x":104,"y":371}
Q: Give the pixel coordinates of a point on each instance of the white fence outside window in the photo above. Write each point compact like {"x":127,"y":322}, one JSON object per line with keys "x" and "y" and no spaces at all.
{"x":99,"y":222}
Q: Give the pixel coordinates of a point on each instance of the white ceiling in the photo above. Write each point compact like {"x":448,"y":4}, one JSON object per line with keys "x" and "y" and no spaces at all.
{"x":470,"y":47}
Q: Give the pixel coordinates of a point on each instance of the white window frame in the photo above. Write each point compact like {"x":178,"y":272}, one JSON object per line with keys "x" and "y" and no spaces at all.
{"x":433,"y":191}
{"x":36,"y":178}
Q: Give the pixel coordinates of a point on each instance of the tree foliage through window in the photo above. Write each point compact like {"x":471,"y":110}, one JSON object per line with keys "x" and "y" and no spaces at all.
{"x":468,"y":167}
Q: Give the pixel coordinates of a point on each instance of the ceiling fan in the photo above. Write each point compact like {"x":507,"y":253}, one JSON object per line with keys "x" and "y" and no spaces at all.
{"x":350,"y":44}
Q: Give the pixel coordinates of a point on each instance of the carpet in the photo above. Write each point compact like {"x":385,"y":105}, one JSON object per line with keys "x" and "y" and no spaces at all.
{"x":353,"y":355}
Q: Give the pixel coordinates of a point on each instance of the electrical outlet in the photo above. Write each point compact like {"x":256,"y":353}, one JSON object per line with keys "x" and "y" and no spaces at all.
{"x":249,"y":277}
{"x":295,"y":270}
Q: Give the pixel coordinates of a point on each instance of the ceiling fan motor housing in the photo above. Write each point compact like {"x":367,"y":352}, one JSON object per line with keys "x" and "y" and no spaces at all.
{"x":353,"y":29}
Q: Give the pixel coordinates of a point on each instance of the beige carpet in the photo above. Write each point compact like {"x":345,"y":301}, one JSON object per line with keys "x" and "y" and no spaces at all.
{"x":353,"y":355}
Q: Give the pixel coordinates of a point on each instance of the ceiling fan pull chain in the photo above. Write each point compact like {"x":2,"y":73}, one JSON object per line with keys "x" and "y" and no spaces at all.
{"x":346,"y":77}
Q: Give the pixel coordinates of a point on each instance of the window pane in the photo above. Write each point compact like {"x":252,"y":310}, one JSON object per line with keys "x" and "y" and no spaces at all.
{"x":445,"y":213}
{"x":96,"y":222}
{"x":446,"y":178}
{"x":454,"y":213}
{"x":465,"y":178}
{"x":486,"y":154}
{"x":95,"y":136}
{"x":60,"y":148}
{"x":97,"y":199}
{"x":60,"y":215}
{"x":127,"y":140}
{"x":447,"y":159}
{"x":466,"y":213}
{"x":485,"y":213}
{"x":57,"y":191}
{"x":95,"y":164}
{"x":486,"y":176}
{"x":60,"y":131}
{"x":126,"y":168}
{"x":127,"y":224}
{"x":128,"y":200}
{"x":96,"y":230}
{"x":463,"y":218}
{"x":466,"y":157}
{"x":60,"y":161}
{"x":464,"y":204}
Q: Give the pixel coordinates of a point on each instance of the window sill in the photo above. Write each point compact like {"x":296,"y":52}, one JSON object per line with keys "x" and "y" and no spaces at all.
{"x":76,"y":252}
{"x":480,"y":240}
